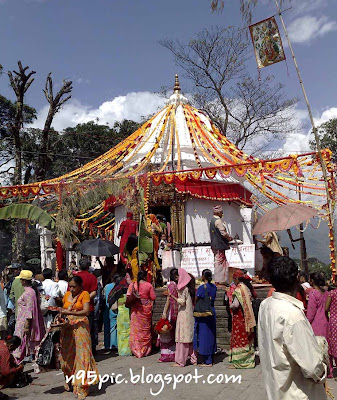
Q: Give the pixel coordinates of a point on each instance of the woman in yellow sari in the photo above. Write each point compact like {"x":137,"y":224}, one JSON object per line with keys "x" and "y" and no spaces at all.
{"x":76,"y":354}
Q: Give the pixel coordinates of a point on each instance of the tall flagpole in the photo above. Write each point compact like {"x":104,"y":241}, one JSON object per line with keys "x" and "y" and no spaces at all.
{"x":314,"y":128}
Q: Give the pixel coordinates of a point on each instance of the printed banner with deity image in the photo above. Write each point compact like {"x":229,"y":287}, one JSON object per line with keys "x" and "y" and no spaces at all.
{"x":267,"y":42}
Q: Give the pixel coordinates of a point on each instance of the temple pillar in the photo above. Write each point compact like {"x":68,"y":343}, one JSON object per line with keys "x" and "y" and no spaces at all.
{"x":246,"y":214}
{"x":48,"y":255}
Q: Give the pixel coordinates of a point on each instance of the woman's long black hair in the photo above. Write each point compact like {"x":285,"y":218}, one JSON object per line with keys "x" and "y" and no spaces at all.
{"x":191,"y":287}
{"x":35,"y":286}
{"x":174,"y":274}
{"x":142,"y":275}
{"x":207,"y":273}
{"x":131,"y":243}
{"x":319,"y":280}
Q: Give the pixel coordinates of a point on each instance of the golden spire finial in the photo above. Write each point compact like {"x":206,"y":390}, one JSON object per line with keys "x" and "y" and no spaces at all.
{"x":176,"y":88}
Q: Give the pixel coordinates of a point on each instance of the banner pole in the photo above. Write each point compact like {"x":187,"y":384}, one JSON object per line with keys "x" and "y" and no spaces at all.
{"x":314,"y":128}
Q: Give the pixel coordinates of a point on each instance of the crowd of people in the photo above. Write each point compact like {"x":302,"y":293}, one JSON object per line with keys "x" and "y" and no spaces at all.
{"x":78,"y":303}
{"x":126,"y":309}
{"x":34,"y":304}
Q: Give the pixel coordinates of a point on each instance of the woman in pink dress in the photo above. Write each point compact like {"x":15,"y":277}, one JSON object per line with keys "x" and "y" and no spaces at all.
{"x":29,"y":325}
{"x":331,"y":306}
{"x":185,"y":320}
{"x":316,"y":305}
{"x":141,"y":316}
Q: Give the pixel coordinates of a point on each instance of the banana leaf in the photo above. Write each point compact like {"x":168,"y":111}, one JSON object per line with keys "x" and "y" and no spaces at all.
{"x":28,"y":211}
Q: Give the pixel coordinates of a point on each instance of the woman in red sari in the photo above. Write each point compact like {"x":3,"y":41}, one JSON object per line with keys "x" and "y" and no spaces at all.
{"x":141,"y":316}
{"x":242,"y":354}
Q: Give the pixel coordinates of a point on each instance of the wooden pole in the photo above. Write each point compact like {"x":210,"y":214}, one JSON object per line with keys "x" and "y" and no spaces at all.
{"x":303,"y":248}
{"x":314,"y":128}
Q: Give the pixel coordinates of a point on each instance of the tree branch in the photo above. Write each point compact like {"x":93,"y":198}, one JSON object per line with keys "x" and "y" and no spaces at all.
{"x":7,"y":170}
{"x":55,"y":104}
{"x":6,"y":162}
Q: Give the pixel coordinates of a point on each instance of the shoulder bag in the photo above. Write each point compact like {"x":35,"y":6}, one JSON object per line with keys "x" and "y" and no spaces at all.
{"x":203,"y":308}
{"x":132,"y":298}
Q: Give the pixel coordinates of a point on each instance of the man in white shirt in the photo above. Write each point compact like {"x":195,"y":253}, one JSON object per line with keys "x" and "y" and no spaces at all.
{"x":62,"y":282}
{"x":51,"y":288}
{"x":291,"y":360}
{"x":51,"y":291}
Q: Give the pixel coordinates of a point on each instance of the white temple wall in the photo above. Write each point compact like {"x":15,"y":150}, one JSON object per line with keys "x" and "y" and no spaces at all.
{"x":199,"y":212}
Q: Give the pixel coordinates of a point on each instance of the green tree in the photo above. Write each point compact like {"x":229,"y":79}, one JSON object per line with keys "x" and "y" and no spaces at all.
{"x":76,"y":146}
{"x":31,"y":246}
{"x":7,"y":148}
{"x":71,"y":149}
{"x":5,"y":238}
{"x":328,"y":137}
{"x":67,"y":151}
{"x":34,"y":155}
{"x":13,"y":143}
{"x":316,"y":265}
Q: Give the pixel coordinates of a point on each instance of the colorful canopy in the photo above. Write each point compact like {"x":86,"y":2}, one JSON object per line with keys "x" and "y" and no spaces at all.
{"x":180,"y":145}
{"x":180,"y":142}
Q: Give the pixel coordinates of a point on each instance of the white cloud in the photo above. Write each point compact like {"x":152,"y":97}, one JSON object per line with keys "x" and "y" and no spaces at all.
{"x":299,"y":142}
{"x":304,"y":29}
{"x":326,"y":115}
{"x":306,"y":6}
{"x":131,"y":106}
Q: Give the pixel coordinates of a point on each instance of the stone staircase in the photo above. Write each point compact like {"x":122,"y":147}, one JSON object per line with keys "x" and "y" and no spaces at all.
{"x":223,"y":336}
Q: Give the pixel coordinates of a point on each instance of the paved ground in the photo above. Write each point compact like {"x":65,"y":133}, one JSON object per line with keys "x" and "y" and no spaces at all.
{"x":49,"y":385}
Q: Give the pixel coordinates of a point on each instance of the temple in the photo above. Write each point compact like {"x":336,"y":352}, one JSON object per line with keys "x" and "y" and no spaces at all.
{"x":183,"y":166}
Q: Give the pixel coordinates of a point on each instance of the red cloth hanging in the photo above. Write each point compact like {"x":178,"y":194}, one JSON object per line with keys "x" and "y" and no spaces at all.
{"x":212,"y":190}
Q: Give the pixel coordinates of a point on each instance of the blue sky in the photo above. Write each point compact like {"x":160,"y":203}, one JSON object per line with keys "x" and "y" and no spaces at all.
{"x":110,"y":50}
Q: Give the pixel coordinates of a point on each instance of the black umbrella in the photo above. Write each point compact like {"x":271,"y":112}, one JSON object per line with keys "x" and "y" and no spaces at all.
{"x":98,"y":247}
